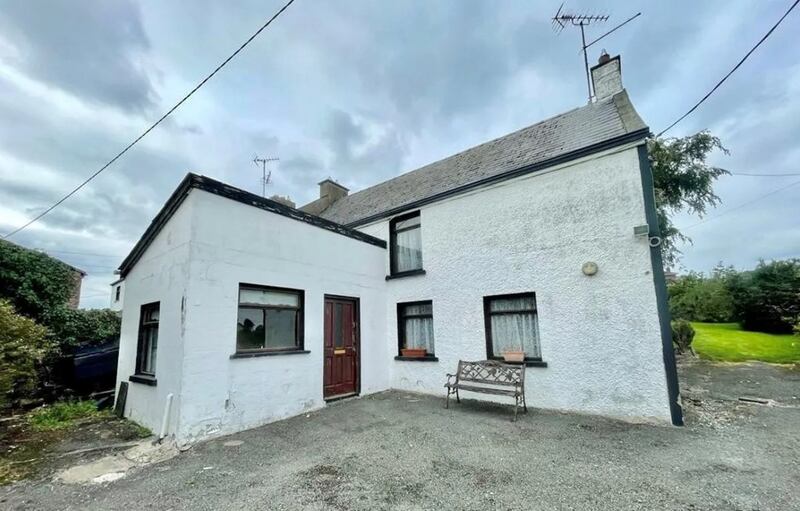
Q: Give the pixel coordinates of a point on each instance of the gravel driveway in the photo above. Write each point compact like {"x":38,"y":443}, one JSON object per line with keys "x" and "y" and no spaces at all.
{"x":403,"y":451}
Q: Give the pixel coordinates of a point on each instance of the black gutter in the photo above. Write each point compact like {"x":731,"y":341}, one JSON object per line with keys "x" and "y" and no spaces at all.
{"x":521,"y":171}
{"x":660,"y":283}
{"x":230,"y":192}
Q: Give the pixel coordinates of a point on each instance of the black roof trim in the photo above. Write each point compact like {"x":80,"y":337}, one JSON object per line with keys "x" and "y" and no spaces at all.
{"x":230,"y":192}
{"x":521,"y":171}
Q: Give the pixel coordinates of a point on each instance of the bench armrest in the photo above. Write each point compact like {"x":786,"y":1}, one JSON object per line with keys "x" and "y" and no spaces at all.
{"x":449,"y":376}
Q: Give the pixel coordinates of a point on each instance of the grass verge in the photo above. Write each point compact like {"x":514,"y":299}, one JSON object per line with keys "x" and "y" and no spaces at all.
{"x":61,"y":415}
{"x":728,"y":342}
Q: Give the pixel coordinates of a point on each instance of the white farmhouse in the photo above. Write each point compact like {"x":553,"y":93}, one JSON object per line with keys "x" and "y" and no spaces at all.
{"x":241,"y":310}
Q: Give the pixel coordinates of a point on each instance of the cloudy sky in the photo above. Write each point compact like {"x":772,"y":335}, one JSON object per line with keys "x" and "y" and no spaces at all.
{"x":362,"y":91}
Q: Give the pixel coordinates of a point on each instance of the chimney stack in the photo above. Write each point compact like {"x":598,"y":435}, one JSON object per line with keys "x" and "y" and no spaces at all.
{"x":330,"y":189}
{"x":607,"y":77}
{"x":329,"y":192}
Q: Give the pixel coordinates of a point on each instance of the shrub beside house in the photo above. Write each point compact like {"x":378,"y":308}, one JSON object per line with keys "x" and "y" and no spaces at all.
{"x":44,"y":292}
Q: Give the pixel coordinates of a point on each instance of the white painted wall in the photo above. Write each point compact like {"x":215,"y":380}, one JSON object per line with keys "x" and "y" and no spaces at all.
{"x":599,"y":335}
{"x":161,"y":275}
{"x":234,"y":243}
{"x":114,"y":303}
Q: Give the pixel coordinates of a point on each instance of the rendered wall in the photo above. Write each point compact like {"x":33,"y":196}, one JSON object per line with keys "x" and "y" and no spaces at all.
{"x":599,"y":335}
{"x":234,"y":243}
{"x":161,"y":275}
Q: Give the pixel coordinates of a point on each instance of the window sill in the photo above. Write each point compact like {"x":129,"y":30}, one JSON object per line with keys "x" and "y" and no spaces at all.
{"x":426,"y":358}
{"x":254,"y":354}
{"x":143,"y":378}
{"x":400,"y":275}
{"x":526,"y":363}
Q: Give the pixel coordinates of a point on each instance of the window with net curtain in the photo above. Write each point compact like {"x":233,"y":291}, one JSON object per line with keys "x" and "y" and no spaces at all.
{"x":406,"y":243}
{"x":269,"y":319}
{"x":512,"y":325}
{"x":415,"y":325}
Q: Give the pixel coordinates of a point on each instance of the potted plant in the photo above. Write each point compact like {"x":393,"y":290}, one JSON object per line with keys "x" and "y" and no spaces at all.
{"x":514,"y":354}
{"x":414,"y":352}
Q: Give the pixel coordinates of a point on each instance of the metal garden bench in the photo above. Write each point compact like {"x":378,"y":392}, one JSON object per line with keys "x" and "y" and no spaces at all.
{"x":488,"y":377}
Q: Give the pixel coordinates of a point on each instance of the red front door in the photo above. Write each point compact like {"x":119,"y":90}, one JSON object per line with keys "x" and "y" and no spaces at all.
{"x":341,"y":347}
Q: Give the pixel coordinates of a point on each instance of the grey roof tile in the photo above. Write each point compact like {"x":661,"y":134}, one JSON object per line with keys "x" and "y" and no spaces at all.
{"x":573,"y":130}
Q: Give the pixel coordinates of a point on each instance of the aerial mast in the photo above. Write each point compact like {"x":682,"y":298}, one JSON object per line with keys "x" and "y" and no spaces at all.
{"x":562,"y":19}
{"x":265,"y":176}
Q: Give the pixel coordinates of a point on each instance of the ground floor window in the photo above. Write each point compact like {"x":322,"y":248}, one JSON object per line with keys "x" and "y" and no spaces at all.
{"x":415,"y":326}
{"x":512,"y":325}
{"x":148,"y":339}
{"x":270,"y":319}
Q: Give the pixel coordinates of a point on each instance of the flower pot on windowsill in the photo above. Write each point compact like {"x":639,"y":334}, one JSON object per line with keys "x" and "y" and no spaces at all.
{"x":414,"y":352}
{"x":514,"y":356}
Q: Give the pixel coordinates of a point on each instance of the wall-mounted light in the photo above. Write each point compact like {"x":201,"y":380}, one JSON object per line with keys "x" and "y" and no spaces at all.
{"x":589,"y":268}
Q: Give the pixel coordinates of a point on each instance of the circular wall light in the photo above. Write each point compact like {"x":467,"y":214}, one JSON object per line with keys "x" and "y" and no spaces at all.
{"x":589,"y":268}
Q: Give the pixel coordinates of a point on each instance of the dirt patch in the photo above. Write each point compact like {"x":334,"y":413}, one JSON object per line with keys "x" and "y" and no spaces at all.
{"x":27,"y":453}
{"x":116,"y":466}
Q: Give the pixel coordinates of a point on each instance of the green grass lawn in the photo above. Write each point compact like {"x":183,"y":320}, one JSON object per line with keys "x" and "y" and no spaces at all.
{"x":728,"y":342}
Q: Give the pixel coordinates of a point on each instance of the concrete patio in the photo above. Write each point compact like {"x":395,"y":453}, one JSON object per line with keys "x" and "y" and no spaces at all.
{"x":405,"y":451}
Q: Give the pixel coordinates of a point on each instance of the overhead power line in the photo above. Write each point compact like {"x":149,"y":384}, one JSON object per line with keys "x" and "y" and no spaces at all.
{"x":740,"y":206}
{"x":732,"y":70}
{"x":148,"y":130}
{"x":765,"y":175}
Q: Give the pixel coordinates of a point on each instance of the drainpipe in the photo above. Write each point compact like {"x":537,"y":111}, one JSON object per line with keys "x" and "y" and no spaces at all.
{"x":165,"y":418}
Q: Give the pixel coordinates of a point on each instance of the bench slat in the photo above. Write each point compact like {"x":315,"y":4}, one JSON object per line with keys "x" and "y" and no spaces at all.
{"x":487,"y":390}
{"x":492,"y":382}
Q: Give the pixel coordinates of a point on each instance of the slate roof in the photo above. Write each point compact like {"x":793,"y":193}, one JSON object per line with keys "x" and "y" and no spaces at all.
{"x":545,"y":143}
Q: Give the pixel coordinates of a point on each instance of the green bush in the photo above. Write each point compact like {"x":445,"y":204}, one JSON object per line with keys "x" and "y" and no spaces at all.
{"x":80,"y":327}
{"x":695,"y":297}
{"x":768,"y":298}
{"x":33,"y":282}
{"x":61,"y":415}
{"x":23,"y":346}
{"x":682,"y":335}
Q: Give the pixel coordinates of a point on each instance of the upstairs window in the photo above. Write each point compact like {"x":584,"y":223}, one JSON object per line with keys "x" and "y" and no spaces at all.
{"x":415,"y":326}
{"x":117,"y":293}
{"x":406,"y":244}
{"x":148,"y":340}
{"x":270,"y":319}
{"x":512,"y":324}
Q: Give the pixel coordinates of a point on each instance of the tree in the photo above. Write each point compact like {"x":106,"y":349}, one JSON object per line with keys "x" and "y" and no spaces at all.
{"x":695,"y":297}
{"x":23,"y":346}
{"x":81,"y":327}
{"x":33,"y":282}
{"x":683,"y":181}
{"x":768,"y":298}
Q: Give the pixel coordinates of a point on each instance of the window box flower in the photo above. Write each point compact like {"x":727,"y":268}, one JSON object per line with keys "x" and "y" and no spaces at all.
{"x":414,"y":352}
{"x":514,"y":356}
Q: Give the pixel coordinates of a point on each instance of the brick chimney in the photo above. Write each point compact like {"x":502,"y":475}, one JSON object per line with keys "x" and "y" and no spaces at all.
{"x":607,"y":77}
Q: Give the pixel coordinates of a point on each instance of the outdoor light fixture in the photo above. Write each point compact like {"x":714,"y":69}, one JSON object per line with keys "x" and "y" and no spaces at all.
{"x":589,"y":268}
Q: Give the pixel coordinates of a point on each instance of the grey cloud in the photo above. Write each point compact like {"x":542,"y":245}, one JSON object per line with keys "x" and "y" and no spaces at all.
{"x":89,"y":48}
{"x":361,"y":91}
{"x":361,"y":157}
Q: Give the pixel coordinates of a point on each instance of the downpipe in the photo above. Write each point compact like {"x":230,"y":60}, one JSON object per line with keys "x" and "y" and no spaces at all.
{"x":165,"y":419}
